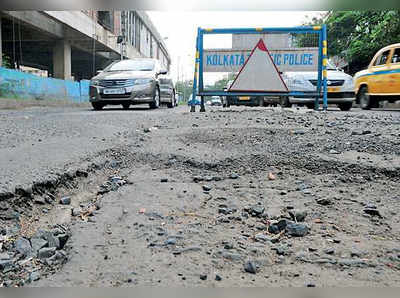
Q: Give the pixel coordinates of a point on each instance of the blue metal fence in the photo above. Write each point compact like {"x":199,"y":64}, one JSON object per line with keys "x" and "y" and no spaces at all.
{"x":21,"y":85}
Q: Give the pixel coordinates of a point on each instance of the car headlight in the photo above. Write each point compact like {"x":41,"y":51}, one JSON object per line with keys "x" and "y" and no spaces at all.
{"x":129,"y":83}
{"x":297,"y":82}
{"x":143,"y":81}
{"x":94,"y":82}
{"x":349,"y":83}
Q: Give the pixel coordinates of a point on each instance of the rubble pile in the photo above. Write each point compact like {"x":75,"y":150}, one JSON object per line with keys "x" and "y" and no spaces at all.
{"x":23,"y":259}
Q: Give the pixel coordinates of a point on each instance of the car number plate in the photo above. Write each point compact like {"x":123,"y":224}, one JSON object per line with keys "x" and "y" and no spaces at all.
{"x":114,"y":91}
{"x":333,"y":89}
{"x":244,"y":97}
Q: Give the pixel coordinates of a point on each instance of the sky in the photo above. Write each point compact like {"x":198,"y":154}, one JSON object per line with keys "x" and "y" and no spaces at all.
{"x":179,"y":30}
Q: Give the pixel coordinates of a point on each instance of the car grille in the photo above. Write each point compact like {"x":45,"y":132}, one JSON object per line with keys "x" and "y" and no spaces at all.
{"x":341,"y":95}
{"x":126,"y":95}
{"x":116,"y":83}
{"x":333,"y":83}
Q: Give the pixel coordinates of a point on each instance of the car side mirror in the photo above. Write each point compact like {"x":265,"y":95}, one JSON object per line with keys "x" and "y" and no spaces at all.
{"x":163,"y":72}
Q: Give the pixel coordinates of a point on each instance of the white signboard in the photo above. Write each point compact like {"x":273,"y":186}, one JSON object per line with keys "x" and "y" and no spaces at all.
{"x":259,"y":73}
{"x":272,"y":41}
{"x":285,"y":59}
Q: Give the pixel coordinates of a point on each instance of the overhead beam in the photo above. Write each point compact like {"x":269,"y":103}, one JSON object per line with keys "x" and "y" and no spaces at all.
{"x":39,"y":21}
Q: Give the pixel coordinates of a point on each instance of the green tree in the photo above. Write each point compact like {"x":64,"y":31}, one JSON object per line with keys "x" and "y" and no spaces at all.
{"x":221,"y":84}
{"x":358,"y":35}
{"x":6,"y":61}
{"x":184,"y":88}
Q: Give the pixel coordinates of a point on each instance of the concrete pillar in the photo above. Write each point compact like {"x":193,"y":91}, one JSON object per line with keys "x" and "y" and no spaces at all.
{"x":62,"y":60}
{"x":1,"y":47}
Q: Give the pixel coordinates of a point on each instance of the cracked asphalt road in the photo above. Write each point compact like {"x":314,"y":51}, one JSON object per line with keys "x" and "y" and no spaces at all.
{"x":184,"y":219}
{"x":37,"y":142}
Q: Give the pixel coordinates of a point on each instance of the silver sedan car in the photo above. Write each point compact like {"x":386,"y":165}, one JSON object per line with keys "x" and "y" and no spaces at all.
{"x":133,"y":81}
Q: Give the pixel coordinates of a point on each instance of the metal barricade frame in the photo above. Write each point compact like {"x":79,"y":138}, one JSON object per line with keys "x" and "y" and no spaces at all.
{"x":321,"y":90}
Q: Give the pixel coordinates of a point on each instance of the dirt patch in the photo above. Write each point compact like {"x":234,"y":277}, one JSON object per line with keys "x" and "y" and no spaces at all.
{"x":241,"y":197}
{"x":18,"y":104}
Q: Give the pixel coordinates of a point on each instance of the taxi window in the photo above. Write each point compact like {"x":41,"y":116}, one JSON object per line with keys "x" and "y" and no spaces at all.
{"x":396,"y":56}
{"x":381,"y":60}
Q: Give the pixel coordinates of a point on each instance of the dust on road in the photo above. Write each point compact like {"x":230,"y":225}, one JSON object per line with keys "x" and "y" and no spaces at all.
{"x":238,"y":197}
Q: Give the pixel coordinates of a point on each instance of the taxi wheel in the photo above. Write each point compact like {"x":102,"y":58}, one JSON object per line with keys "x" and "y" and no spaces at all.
{"x":374,"y":103}
{"x":365,"y":99}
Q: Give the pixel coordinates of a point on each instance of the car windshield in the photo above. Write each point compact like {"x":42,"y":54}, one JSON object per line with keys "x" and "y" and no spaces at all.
{"x":131,"y":65}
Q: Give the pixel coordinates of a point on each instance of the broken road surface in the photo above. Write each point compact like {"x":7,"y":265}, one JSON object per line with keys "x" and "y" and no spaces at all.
{"x":231,"y":197}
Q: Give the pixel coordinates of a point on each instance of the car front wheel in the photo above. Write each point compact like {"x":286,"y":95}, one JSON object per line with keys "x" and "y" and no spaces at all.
{"x":97,"y":106}
{"x":156,"y":99}
{"x":226,"y":103}
{"x":285,"y":102}
{"x":310,"y":106}
{"x":346,"y":106}
{"x":172,"y":103}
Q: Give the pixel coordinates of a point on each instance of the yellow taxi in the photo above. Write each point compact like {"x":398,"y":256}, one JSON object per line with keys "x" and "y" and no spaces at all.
{"x":381,"y":81}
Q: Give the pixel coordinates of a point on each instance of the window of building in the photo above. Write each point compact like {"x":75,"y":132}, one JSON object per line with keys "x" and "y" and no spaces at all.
{"x":138,"y":31}
{"x":106,"y":19}
{"x":151,"y":47}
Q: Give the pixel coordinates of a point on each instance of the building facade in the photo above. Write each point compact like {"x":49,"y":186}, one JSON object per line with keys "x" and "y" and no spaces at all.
{"x":73,"y":45}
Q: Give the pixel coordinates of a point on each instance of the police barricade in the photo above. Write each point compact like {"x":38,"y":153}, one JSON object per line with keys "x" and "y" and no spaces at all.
{"x":261,"y":62}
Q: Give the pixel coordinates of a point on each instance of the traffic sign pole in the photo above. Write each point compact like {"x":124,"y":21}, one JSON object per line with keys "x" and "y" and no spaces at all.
{"x":196,"y":69}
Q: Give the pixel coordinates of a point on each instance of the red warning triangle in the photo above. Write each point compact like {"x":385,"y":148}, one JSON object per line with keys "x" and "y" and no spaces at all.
{"x":259,"y":73}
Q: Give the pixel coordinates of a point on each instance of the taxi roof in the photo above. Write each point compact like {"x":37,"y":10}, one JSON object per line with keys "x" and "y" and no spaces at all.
{"x":395,"y":45}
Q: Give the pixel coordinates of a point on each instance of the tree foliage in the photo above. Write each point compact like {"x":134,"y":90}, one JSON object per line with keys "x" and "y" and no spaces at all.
{"x":6,"y":61}
{"x":184,"y":88}
{"x":221,"y":84}
{"x":358,"y":35}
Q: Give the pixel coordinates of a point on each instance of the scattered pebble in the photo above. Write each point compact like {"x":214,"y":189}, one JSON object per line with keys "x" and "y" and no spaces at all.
{"x":250,"y":267}
{"x":65,"y":200}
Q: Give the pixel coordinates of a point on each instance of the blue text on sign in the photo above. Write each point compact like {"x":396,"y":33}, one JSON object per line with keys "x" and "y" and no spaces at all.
{"x":278,"y":58}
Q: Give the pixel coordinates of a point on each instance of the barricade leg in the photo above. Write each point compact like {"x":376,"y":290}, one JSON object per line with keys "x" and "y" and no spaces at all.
{"x":202,"y":106}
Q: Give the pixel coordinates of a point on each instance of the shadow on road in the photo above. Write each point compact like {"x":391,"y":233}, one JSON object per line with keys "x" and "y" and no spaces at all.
{"x":134,"y":108}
